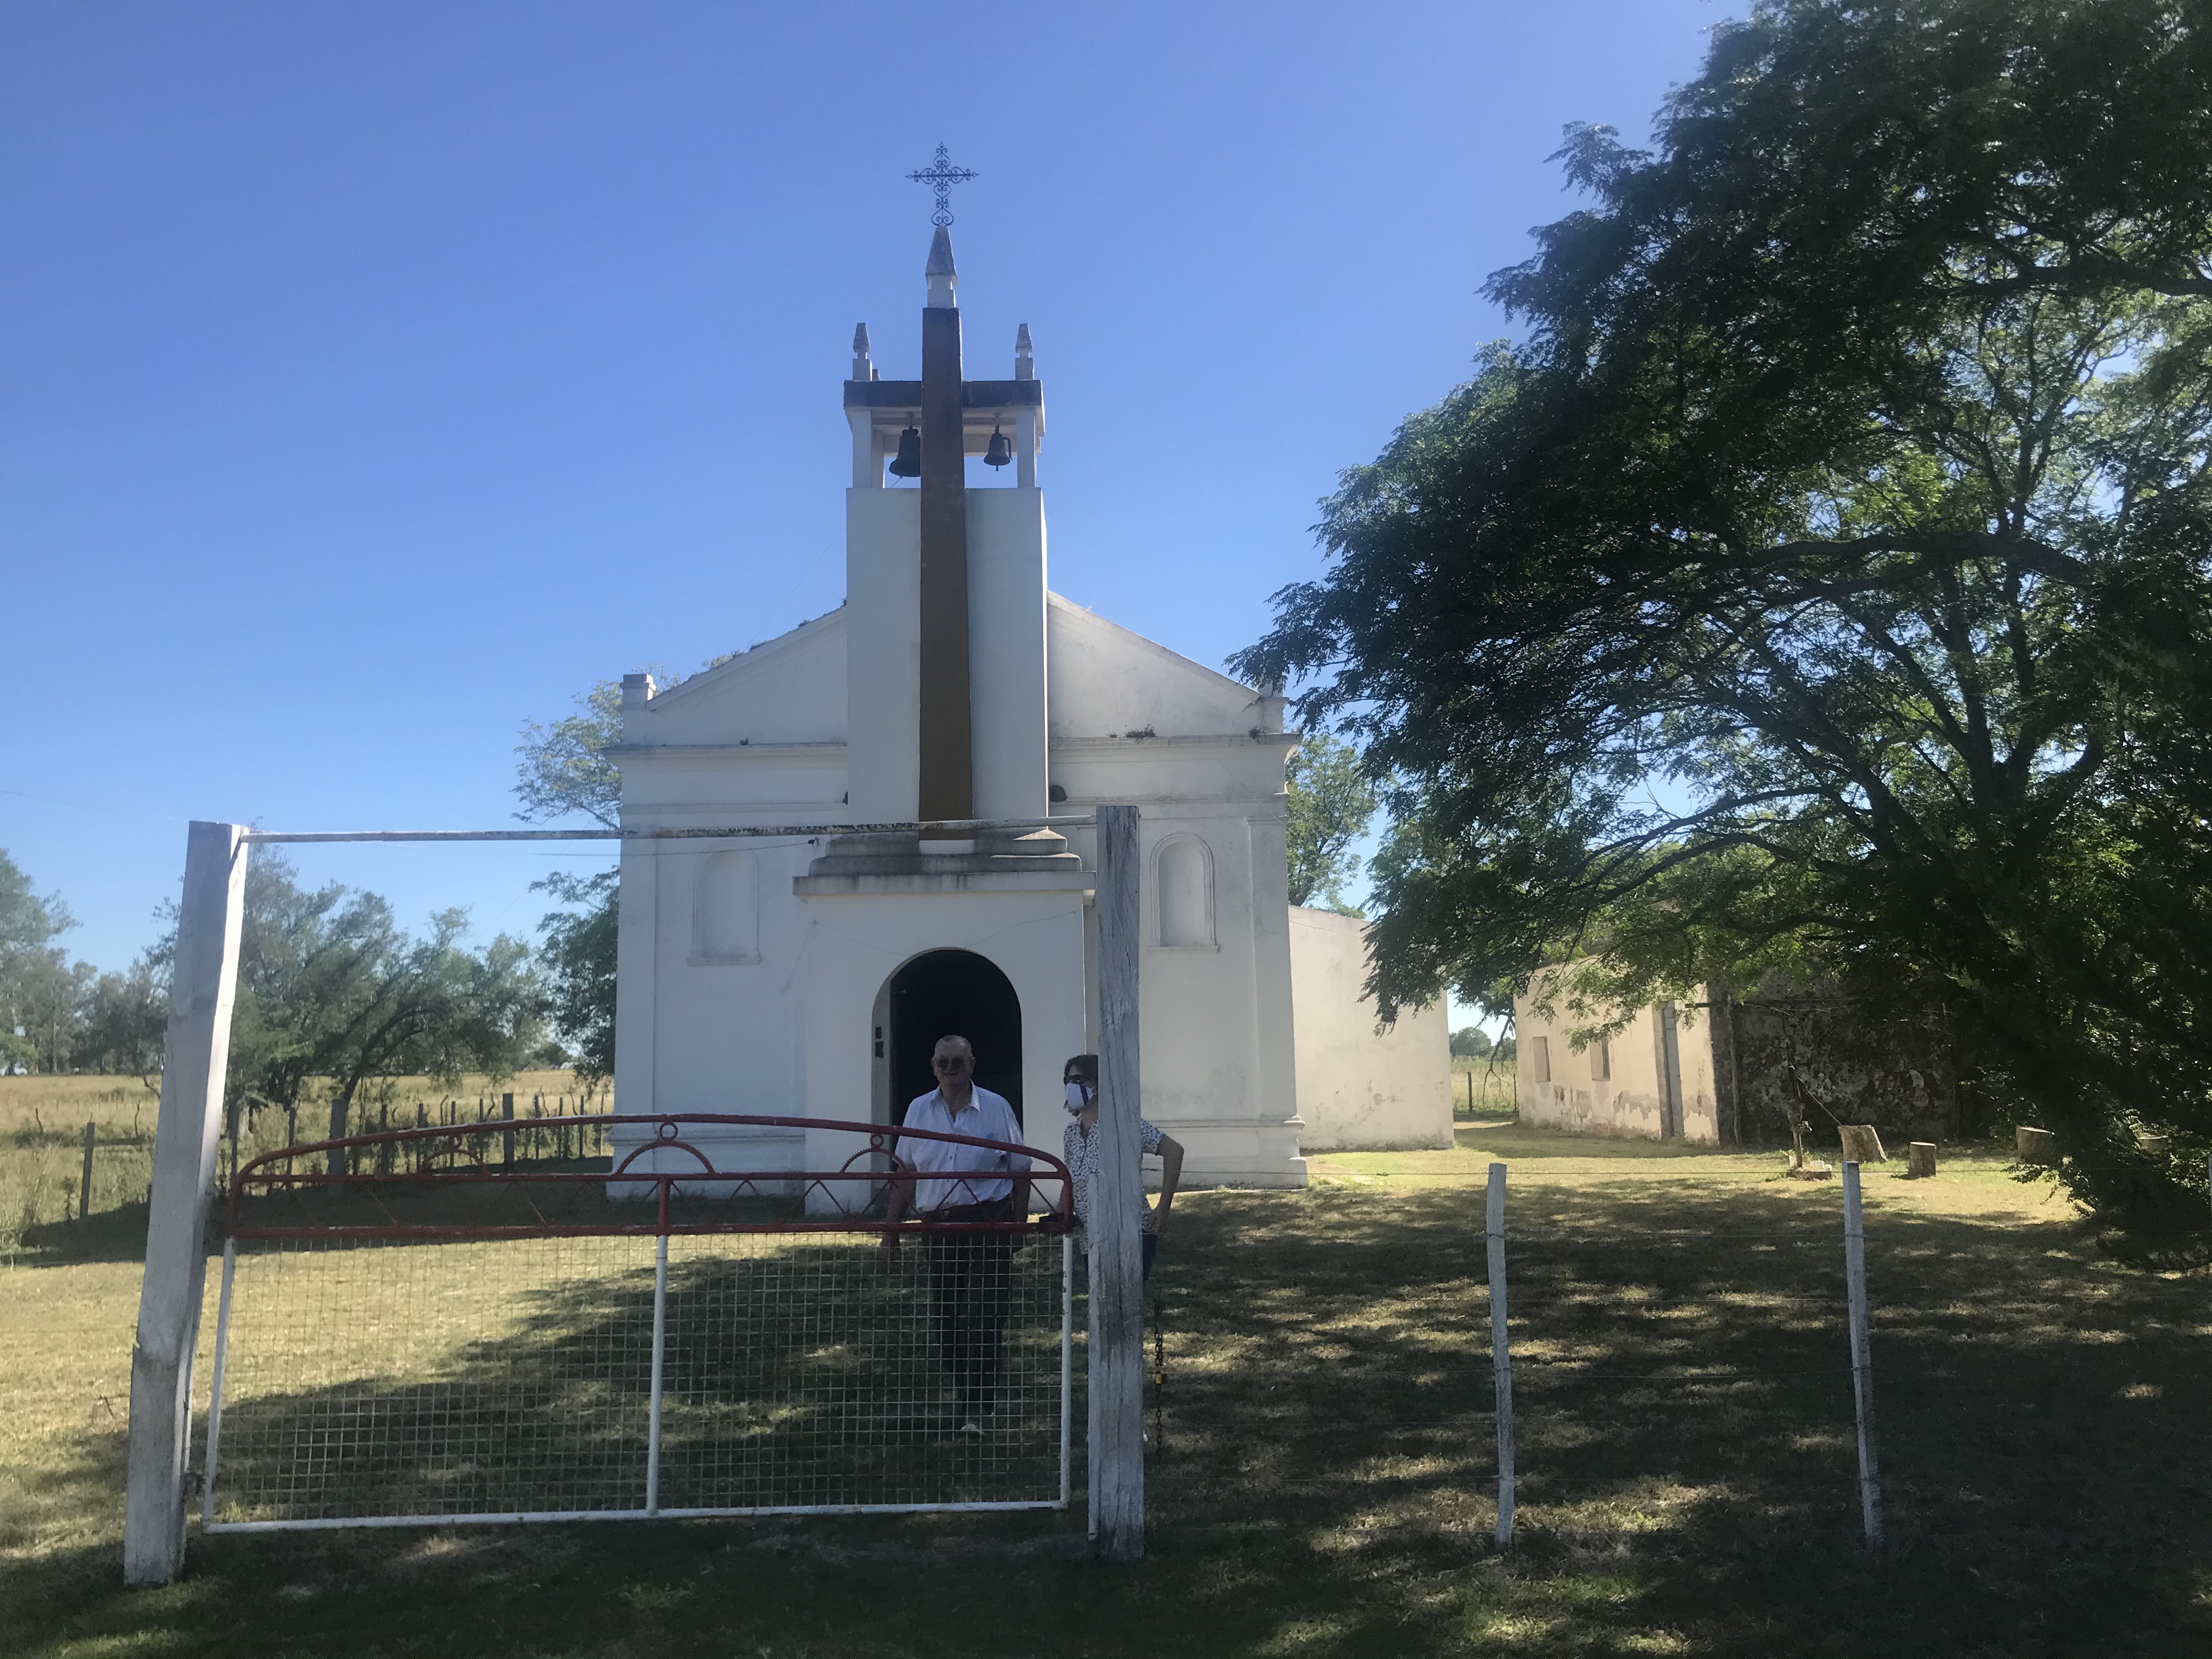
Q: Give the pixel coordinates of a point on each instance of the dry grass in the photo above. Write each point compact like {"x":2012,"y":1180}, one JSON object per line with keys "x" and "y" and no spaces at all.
{"x":1685,"y":1426}
{"x":42,"y":1122}
{"x":1481,"y":1088}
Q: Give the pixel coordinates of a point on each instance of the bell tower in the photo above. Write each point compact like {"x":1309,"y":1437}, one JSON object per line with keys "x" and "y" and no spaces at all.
{"x":944,"y":584}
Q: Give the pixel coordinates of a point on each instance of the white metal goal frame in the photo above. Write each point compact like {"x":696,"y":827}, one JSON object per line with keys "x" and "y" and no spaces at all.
{"x":436,"y":1334}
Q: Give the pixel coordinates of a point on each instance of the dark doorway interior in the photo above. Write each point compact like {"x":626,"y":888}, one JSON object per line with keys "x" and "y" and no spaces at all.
{"x":947,"y":994}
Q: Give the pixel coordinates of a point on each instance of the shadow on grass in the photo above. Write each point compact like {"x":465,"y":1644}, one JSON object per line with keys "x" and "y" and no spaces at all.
{"x":794,"y":1374}
{"x":1686,"y":1434}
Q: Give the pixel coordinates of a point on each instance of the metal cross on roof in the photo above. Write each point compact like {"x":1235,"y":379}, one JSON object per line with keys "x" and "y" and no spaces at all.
{"x":942,"y":175}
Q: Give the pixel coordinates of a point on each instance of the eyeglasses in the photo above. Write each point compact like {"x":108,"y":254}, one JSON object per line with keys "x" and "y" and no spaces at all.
{"x":955,"y":1064}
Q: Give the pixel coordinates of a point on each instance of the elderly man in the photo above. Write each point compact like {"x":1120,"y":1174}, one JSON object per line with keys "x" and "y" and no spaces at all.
{"x":969,"y":1273}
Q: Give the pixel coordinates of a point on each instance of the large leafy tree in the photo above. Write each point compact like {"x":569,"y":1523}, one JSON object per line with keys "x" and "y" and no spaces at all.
{"x":35,"y":977}
{"x":1328,"y":807}
{"x":1826,"y":581}
{"x":333,"y":996}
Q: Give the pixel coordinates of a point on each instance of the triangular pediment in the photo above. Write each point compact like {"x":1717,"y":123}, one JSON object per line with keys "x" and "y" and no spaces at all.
{"x":788,"y":690}
{"x":1106,"y":680}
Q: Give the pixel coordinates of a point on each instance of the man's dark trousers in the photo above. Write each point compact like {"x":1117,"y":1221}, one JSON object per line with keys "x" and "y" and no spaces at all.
{"x":970,"y":1280}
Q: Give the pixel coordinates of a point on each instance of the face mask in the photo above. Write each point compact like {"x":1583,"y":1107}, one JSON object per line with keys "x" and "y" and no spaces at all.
{"x":1077,"y":1097}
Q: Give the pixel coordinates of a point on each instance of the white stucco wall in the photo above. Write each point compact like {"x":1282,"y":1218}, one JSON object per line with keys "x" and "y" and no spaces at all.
{"x":699,"y":1033}
{"x":1357,"y":1089}
{"x":1631,"y":1102}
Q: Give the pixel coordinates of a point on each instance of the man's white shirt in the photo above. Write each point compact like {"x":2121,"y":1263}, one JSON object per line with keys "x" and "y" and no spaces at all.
{"x":984,"y":1173}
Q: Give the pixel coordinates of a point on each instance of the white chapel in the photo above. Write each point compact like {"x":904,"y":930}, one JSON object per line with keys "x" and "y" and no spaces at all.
{"x":809,"y":977}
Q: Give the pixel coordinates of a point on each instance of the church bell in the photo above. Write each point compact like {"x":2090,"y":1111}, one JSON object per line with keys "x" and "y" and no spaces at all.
{"x":1000,"y":451}
{"x":907,"y":463}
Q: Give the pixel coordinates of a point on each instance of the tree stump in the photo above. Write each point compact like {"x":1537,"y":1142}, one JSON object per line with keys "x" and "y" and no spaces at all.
{"x":2032,"y":1145}
{"x":1862,"y":1144}
{"x":2154,"y":1144}
{"x":1920,"y":1158}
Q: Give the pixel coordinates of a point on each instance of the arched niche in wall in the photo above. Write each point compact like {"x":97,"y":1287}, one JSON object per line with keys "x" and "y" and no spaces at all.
{"x":725,"y":909}
{"x":1182,"y":879}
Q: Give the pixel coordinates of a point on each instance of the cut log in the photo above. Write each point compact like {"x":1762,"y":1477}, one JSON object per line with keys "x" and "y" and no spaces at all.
{"x":2032,"y":1145}
{"x":2154,"y":1144}
{"x":1862,"y":1144}
{"x":1920,"y":1158}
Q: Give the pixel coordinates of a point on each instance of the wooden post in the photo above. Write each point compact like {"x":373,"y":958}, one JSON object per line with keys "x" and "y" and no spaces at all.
{"x":203,"y":982}
{"x":1862,"y":1356}
{"x":1501,"y":1355}
{"x":84,"y":1184}
{"x":1862,"y":1144}
{"x":1117,"y":1333}
{"x":506,"y":1137}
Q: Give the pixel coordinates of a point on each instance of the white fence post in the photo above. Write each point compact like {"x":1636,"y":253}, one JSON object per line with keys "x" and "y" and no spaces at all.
{"x":195,"y":1060}
{"x":1501,"y":1357}
{"x":659,"y":1348}
{"x":1862,"y":1357}
{"x":1117,"y":1329}
{"x":1067,"y":1357}
{"x":215,"y":1391}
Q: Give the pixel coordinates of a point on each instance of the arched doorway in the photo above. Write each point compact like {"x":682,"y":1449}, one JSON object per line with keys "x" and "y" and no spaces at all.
{"x":953,"y":992}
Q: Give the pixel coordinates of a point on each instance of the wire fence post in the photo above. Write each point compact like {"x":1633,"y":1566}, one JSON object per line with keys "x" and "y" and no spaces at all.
{"x":1067,"y":1360}
{"x":659,"y":1347}
{"x":1501,"y":1357}
{"x":84,"y":1185}
{"x":215,"y":1392}
{"x":1862,"y":1359}
{"x":506,"y":1137}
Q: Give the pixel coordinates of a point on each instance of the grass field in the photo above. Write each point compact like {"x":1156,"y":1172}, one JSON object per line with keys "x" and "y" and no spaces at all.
{"x":1481,"y":1088}
{"x":1320,"y":1485}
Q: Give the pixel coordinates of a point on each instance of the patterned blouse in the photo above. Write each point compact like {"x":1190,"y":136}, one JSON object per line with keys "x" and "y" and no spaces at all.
{"x":1080,"y":1151}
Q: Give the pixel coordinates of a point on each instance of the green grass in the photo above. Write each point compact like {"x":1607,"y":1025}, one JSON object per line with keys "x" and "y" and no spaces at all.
{"x":1684,"y":1422}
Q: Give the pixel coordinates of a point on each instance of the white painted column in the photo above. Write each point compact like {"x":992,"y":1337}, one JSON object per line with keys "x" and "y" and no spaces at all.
{"x":1025,"y":448}
{"x":868,"y":467}
{"x":1006,"y":678}
{"x":195,"y":1061}
{"x":1117,"y":1331}
{"x":883,"y":654}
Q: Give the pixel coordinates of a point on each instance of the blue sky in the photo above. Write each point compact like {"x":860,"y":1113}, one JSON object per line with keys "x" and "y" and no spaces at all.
{"x":374,"y":378}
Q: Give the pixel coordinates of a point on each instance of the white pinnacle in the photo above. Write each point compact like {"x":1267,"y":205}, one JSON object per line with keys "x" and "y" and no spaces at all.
{"x":942,"y":277}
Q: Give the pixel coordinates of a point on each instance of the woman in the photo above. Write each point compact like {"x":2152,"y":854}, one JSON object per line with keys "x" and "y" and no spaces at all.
{"x":1079,"y":1146}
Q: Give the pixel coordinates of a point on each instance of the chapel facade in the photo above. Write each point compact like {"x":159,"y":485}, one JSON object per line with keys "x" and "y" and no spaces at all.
{"x":809,"y":977}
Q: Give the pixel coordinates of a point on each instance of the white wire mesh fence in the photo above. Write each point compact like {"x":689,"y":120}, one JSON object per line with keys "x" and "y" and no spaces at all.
{"x":462,"y":1345}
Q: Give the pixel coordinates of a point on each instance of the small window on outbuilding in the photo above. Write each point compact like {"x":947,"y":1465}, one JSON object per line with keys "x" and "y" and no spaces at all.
{"x":1601,"y":1055}
{"x":1539,"y":1057}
